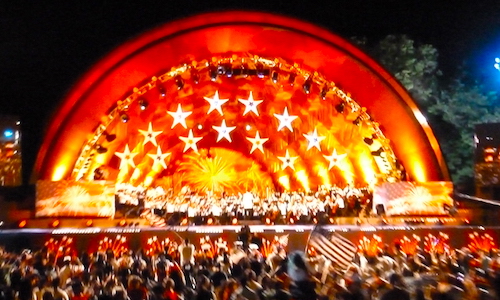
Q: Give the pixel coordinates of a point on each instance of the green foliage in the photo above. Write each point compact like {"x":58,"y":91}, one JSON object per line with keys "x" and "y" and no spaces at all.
{"x":453,"y":107}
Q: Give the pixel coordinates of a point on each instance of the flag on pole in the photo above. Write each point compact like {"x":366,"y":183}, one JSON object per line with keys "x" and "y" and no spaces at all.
{"x":335,"y":248}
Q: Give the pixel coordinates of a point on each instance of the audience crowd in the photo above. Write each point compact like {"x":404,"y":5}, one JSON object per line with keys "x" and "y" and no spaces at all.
{"x":242,"y":272}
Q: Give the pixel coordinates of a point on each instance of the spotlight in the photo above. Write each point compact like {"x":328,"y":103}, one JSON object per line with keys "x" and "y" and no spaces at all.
{"x":275,"y":76}
{"x":122,"y":223}
{"x":332,"y":220}
{"x":109,"y":137}
{"x":55,"y":224}
{"x":210,"y":221}
{"x":323,"y":92}
{"x":100,"y":149}
{"x":179,"y":82}
{"x":162,"y":91}
{"x":228,"y":68}
{"x":234,"y":221}
{"x":292,"y":221}
{"x":307,"y":85}
{"x":143,"y":104}
{"x":340,"y":107}
{"x":291,"y":78}
{"x":89,"y":223}
{"x":268,"y":221}
{"x":124,"y":117}
{"x":22,"y":223}
{"x":195,"y":76}
{"x":184,"y":222}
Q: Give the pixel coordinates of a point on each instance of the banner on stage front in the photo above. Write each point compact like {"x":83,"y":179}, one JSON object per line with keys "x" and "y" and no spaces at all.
{"x":413,"y":198}
{"x":67,"y":198}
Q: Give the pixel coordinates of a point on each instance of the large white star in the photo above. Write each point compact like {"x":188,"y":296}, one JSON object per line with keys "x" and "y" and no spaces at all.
{"x":159,"y":158}
{"x":285,"y":120}
{"x":190,"y":141}
{"x":126,"y":157}
{"x":257,"y":142}
{"x":179,"y":116}
{"x":314,"y":140}
{"x":150,"y":135}
{"x":250,"y":104}
{"x":215,"y":103}
{"x":335,"y":158}
{"x":288,"y":161}
{"x":224,"y":131}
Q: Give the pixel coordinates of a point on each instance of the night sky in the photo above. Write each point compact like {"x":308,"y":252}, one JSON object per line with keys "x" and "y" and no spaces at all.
{"x":45,"y":46}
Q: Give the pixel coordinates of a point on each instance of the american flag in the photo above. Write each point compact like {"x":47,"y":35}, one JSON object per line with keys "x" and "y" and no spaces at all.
{"x":335,"y":248}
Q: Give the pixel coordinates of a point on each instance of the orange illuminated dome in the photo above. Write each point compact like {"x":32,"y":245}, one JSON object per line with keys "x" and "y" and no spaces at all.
{"x":237,"y":101}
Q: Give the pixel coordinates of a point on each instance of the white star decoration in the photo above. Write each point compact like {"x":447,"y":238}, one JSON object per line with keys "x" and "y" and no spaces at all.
{"x":335,"y":158}
{"x":179,"y":116}
{"x":257,"y":142}
{"x":190,"y":141}
{"x":288,"y":161}
{"x":314,"y":140}
{"x":250,"y":104}
{"x":285,"y":120}
{"x":215,"y":103}
{"x":223,"y":131}
{"x":150,"y":135}
{"x":159,"y":158}
{"x":126,"y":157}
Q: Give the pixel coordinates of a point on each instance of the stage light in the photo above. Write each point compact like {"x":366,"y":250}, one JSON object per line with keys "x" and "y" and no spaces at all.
{"x":292,"y":221}
{"x":122,"y":223}
{"x":248,"y":127}
{"x":306,"y":87}
{"x":227,"y":69}
{"x":234,"y":221}
{"x":179,"y":82}
{"x":55,"y":224}
{"x":200,"y":127}
{"x":275,"y":76}
{"x":497,"y":64}
{"x":184,"y":222}
{"x":124,"y":117}
{"x":340,"y":107}
{"x":162,"y":91}
{"x":332,"y":220}
{"x":8,"y":133}
{"x":315,"y":221}
{"x":210,"y":221}
{"x":143,"y":104}
{"x":100,"y":149}
{"x":22,"y":223}
{"x":89,"y":223}
{"x":268,"y":221}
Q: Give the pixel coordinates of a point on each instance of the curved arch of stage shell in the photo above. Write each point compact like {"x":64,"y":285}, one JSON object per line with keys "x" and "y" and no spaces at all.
{"x":304,"y":108}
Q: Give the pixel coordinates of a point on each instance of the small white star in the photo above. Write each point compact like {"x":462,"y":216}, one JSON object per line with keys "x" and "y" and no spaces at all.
{"x":179,"y":116}
{"x":224,"y":131}
{"x":335,"y":158}
{"x":288,"y":161}
{"x":126,"y":157}
{"x":150,"y":135}
{"x":285,"y":120}
{"x":257,"y":142}
{"x":159,"y":158}
{"x":190,"y":141}
{"x":215,"y":103}
{"x":314,"y":140}
{"x":250,"y":104}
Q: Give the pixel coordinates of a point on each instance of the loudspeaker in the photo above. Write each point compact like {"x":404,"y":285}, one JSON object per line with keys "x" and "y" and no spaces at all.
{"x":380,"y":210}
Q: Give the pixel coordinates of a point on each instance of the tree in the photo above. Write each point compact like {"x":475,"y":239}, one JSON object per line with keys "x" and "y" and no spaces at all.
{"x":453,"y":107}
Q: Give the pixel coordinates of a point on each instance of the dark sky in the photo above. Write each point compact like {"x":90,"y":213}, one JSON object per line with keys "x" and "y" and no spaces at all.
{"x":45,"y":46}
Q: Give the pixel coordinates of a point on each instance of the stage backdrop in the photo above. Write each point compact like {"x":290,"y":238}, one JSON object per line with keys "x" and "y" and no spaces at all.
{"x":413,"y":198}
{"x":68,"y":198}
